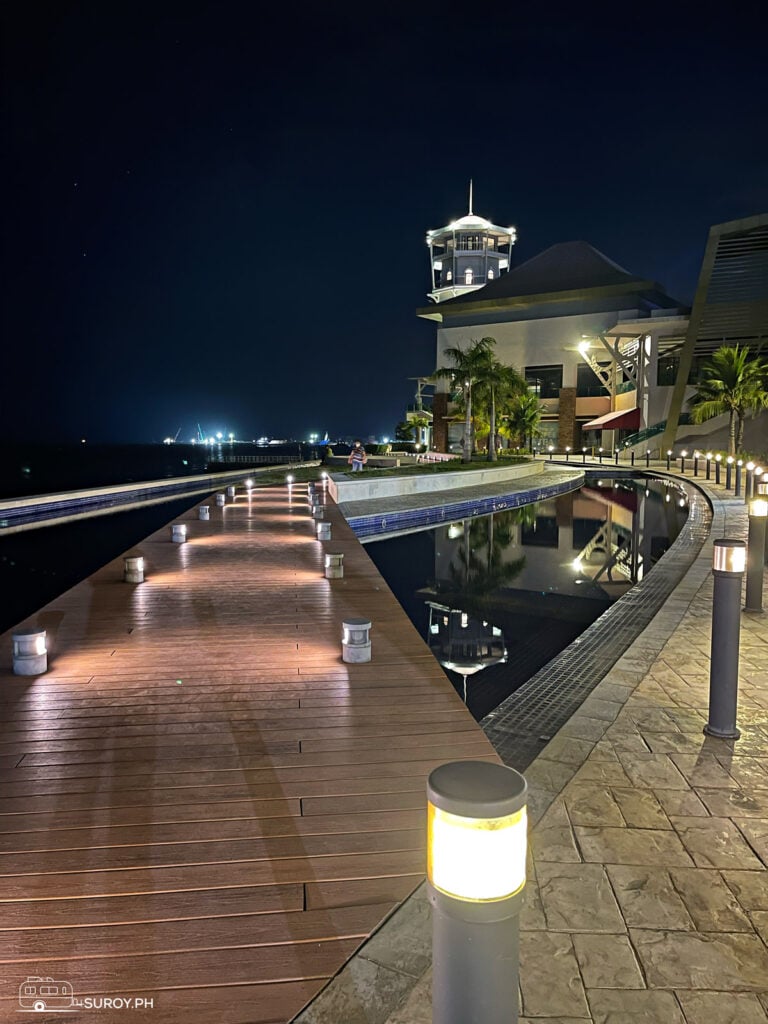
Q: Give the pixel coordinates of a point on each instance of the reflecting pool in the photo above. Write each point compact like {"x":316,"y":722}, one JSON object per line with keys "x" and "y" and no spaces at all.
{"x":497,"y":596}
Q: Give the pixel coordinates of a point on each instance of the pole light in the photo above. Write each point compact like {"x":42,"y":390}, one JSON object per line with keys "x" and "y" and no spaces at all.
{"x":476,"y":853}
{"x":647,"y":458}
{"x":683,"y":455}
{"x":728,"y":470}
{"x":669,"y":456}
{"x":616,"y":456}
{"x":600,"y":455}
{"x":567,"y":452}
{"x":551,"y":450}
{"x":696,"y":457}
{"x":584,"y":456}
{"x":718,"y":460}
{"x":729,"y":558}
{"x":739,"y":467}
{"x":748,"y":482}
{"x":709,"y":464}
{"x":632,"y":457}
{"x":758,"y":512}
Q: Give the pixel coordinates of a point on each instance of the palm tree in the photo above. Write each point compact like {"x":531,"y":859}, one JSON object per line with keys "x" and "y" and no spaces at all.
{"x":498,"y":384}
{"x":523,"y":417}
{"x":732,"y":383}
{"x":469,"y":366}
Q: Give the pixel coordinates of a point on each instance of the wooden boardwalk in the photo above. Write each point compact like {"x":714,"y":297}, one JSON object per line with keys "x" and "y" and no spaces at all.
{"x":201,"y":804}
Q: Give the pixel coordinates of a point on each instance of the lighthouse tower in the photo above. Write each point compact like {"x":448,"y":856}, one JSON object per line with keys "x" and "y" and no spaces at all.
{"x":467,"y":254}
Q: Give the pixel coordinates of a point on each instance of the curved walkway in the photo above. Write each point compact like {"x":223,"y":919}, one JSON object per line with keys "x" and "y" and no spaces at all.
{"x":647,"y":898}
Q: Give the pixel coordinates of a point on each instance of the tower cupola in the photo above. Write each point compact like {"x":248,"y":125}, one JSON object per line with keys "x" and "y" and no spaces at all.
{"x":468,"y":253}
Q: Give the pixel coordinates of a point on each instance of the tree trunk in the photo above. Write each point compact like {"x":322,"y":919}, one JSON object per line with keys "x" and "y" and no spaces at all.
{"x":466,"y":455}
{"x":732,"y":433}
{"x":739,"y":436}
{"x":492,"y":434}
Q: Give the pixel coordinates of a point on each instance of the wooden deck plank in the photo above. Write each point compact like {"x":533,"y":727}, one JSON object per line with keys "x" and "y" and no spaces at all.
{"x":225,"y":842}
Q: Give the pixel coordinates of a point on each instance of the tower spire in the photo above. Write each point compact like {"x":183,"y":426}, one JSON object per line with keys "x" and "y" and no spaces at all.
{"x":470,"y":197}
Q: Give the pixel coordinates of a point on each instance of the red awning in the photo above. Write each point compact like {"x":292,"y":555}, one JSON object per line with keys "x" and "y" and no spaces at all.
{"x":627,"y":420}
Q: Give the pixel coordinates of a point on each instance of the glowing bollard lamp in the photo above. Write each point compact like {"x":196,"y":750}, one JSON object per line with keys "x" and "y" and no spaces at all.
{"x":179,"y":533}
{"x":231,"y":492}
{"x":709,"y":464}
{"x":729,"y":560}
{"x":476,"y":850}
{"x":204,"y":512}
{"x":30,"y":652}
{"x":323,"y":531}
{"x":758,"y":512}
{"x":221,"y":500}
{"x":356,"y":640}
{"x":318,"y":512}
{"x":133,"y":570}
{"x":739,"y":467}
{"x":669,"y":456}
{"x":334,"y":567}
{"x":728,"y":472}
{"x":718,"y":460}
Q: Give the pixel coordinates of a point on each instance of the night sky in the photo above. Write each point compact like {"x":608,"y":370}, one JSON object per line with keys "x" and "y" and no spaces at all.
{"x":216,"y":212}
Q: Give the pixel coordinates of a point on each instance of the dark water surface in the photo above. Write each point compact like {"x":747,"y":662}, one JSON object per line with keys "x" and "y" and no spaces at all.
{"x":498,"y":596}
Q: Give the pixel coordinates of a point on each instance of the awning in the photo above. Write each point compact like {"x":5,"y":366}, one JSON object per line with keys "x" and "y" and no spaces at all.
{"x":629,"y":419}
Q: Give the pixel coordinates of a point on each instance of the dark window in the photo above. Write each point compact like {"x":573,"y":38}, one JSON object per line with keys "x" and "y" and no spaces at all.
{"x":545,"y":381}
{"x":542,"y":534}
{"x":666,"y":370}
{"x":587,"y":382}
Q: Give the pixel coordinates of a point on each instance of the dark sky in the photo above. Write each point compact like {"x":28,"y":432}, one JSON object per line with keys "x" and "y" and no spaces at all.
{"x":216,"y":212}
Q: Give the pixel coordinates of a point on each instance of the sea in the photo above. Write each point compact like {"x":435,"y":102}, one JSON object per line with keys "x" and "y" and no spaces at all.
{"x":38,"y":565}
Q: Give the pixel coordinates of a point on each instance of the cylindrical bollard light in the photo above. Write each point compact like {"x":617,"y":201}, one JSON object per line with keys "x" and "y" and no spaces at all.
{"x":739,"y":467}
{"x":584,"y":455}
{"x":178,"y":533}
{"x":669,"y":456}
{"x":323,"y":531}
{"x":231,"y":491}
{"x":476,"y":854}
{"x":567,"y":452}
{"x":729,"y":560}
{"x":748,"y":482}
{"x":356,"y":640}
{"x":647,"y":459}
{"x":632,"y":457}
{"x":318,"y":512}
{"x":221,"y":500}
{"x":758,"y":512}
{"x":551,"y":452}
{"x":709,"y":464}
{"x":696,"y":457}
{"x":600,"y":455}
{"x":30,"y":652}
{"x":334,"y":566}
{"x":133,"y":569}
{"x":204,"y":512}
{"x":683,"y":456}
{"x":728,"y":472}
{"x":718,"y":460}
{"x":324,"y":478}
{"x":762,"y":492}
{"x":616,"y":456}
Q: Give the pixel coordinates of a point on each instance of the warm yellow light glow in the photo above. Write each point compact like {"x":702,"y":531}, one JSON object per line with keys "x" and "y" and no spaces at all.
{"x":729,"y":559}
{"x":759,"y":508}
{"x":729,"y":460}
{"x":718,"y":458}
{"x":476,"y":859}
{"x":577,"y":565}
{"x":750,"y":466}
{"x":684,"y":453}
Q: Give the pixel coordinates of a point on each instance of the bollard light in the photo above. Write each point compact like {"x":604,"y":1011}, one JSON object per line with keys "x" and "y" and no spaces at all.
{"x":632,"y":457}
{"x":30,"y":652}
{"x":683,"y":456}
{"x":221,"y":500}
{"x":696,"y":457}
{"x":709,"y":464}
{"x":178,"y":533}
{"x":133,"y":569}
{"x":718,"y":460}
{"x":551,"y":450}
{"x":647,"y":459}
{"x":728,"y":563}
{"x":600,"y":455}
{"x":567,"y":452}
{"x":334,"y":566}
{"x":231,"y":491}
{"x":318,"y":512}
{"x":325,"y":481}
{"x":669,"y":456}
{"x":323,"y":531}
{"x":204,"y":512}
{"x":728,"y":472}
{"x":356,"y":640}
{"x":584,"y":455}
{"x":616,"y":456}
{"x":758,"y":512}
{"x":476,"y":872}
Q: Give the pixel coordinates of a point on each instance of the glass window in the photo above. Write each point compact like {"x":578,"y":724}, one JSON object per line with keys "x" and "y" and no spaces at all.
{"x":545,"y":381}
{"x":587,"y":382}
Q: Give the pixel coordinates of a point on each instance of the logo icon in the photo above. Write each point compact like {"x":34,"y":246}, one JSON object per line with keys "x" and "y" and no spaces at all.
{"x":47,"y":994}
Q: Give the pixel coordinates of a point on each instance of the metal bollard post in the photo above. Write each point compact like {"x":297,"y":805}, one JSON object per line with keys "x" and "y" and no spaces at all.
{"x":739,"y":467}
{"x":632,"y":457}
{"x":356,"y":640}
{"x":748,"y":482}
{"x":669,"y":456}
{"x":179,"y":533}
{"x":323,"y":531}
{"x":647,"y":459}
{"x":729,"y":560}
{"x":758,"y":511}
{"x":718,"y":460}
{"x":584,"y":456}
{"x":683,"y":455}
{"x":204,"y":512}
{"x":30,"y":652}
{"x":231,"y":490}
{"x":221,"y":500}
{"x":709,"y":464}
{"x":696,"y":456}
{"x":728,"y":470}
{"x":133,"y":569}
{"x":476,"y":843}
{"x":616,"y":456}
{"x":334,"y":566}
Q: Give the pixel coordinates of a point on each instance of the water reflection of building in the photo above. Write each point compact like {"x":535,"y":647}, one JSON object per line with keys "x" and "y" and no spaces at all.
{"x":462,"y":643}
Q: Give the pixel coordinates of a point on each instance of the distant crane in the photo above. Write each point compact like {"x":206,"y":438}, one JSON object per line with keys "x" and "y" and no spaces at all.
{"x":176,"y":438}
